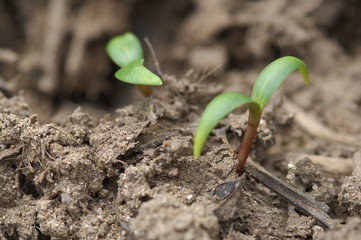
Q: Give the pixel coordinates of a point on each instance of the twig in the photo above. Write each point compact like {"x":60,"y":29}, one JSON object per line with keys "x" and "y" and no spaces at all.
{"x":154,"y":56}
{"x":207,"y":74}
{"x":308,"y":205}
{"x":301,"y":201}
{"x":315,"y":128}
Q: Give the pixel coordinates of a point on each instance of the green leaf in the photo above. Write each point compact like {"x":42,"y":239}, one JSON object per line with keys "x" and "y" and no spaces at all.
{"x":124,"y":49}
{"x":136,"y":73}
{"x":215,"y":111}
{"x":273,"y":75}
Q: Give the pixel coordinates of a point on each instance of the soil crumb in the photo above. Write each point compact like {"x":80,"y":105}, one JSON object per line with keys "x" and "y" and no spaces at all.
{"x":351,"y":230}
{"x":165,"y":217}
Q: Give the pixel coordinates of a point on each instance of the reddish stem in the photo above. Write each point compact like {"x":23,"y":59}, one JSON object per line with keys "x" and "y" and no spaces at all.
{"x":145,"y":90}
{"x":247,"y":142}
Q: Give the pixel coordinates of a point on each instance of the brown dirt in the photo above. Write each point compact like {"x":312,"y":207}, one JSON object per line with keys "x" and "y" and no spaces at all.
{"x":93,"y":172}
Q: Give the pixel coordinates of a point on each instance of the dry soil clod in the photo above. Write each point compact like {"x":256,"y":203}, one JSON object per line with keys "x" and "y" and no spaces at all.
{"x":334,"y":165}
{"x":350,"y":195}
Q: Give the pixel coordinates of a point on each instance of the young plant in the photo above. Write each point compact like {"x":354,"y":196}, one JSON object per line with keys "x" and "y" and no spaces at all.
{"x":126,"y":51}
{"x":266,"y":84}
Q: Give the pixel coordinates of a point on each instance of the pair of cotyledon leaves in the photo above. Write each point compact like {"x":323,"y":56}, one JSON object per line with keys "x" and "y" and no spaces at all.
{"x":127,"y":52}
{"x":266,"y":84}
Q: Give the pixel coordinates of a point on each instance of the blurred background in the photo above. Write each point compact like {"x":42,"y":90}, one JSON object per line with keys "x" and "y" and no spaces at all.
{"x":52,"y":52}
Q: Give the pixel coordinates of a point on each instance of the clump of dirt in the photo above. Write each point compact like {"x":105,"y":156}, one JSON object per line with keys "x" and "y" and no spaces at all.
{"x":303,"y":172}
{"x":174,"y":220}
{"x":350,"y":194}
{"x":349,"y":231}
{"x":64,"y":173}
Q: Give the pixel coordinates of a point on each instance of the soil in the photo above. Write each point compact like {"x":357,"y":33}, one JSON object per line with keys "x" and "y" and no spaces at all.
{"x":84,"y":156}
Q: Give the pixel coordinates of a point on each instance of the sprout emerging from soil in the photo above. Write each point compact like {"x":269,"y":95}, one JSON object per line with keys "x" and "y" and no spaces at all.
{"x":126,"y":51}
{"x":266,"y":84}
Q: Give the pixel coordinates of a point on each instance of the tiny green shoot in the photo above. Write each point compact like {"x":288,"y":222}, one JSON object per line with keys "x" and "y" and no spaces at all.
{"x":126,"y":52}
{"x":266,"y":84}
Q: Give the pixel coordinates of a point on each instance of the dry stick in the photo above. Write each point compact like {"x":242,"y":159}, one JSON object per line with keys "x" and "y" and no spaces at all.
{"x":315,"y":128}
{"x":301,"y":201}
{"x":154,"y":56}
{"x":144,"y":89}
{"x":207,"y":74}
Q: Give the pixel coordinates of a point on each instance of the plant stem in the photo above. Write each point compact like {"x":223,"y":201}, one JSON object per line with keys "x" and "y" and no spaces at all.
{"x":254,"y":118}
{"x":145,"y":90}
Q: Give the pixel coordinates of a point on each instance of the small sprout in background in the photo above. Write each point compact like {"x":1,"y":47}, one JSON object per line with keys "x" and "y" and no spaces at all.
{"x":266,"y":84}
{"x":126,"y":51}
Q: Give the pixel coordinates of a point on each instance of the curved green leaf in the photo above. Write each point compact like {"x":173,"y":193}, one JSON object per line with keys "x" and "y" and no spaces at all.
{"x":215,"y":111}
{"x":273,"y":75}
{"x":136,"y":73}
{"x":124,"y":49}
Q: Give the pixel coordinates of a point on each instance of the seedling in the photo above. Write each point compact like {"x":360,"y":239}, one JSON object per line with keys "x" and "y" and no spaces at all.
{"x":126,"y":51}
{"x":266,"y":84}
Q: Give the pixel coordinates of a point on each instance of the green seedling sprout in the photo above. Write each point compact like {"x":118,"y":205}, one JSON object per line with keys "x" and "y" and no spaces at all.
{"x":266,"y":84}
{"x":126,"y":51}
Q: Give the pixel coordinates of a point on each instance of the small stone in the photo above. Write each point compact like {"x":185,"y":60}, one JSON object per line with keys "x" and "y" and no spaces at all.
{"x":189,"y":197}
